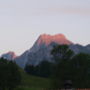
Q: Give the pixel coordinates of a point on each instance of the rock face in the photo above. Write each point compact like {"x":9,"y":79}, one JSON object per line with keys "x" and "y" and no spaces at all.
{"x":80,"y":49}
{"x":88,"y":47}
{"x":9,"y":55}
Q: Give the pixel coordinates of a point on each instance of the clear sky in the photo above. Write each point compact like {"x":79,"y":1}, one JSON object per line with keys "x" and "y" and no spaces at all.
{"x":22,"y":21}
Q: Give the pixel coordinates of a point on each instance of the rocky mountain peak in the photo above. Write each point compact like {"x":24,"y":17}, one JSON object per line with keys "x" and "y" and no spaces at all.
{"x":47,"y":39}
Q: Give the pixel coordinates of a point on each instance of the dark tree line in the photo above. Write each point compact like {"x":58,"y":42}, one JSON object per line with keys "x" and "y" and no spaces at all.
{"x":10,"y":76}
{"x":44,"y":69}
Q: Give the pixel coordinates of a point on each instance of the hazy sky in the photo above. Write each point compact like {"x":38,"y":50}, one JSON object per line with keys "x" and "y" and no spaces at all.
{"x":22,"y":21}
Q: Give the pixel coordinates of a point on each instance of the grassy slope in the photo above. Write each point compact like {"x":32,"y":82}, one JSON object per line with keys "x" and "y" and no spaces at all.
{"x":30,"y":82}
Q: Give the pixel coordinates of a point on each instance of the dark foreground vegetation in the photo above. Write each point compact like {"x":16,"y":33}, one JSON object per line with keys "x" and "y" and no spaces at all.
{"x":14,"y":78}
{"x":67,"y":70}
{"x":10,"y":76}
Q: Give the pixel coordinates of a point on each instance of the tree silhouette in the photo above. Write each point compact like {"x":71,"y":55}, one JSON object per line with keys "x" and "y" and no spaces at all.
{"x":61,"y":52}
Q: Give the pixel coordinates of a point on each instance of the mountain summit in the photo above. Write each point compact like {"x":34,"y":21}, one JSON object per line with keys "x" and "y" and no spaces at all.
{"x":47,"y":39}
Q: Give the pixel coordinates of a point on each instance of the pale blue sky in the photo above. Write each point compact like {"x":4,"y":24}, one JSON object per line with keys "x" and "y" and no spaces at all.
{"x":22,"y":21}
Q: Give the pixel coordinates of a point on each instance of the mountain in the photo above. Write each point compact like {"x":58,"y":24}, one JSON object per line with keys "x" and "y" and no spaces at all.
{"x":88,"y":47}
{"x":9,"y":55}
{"x":79,"y":48}
{"x":41,"y":49}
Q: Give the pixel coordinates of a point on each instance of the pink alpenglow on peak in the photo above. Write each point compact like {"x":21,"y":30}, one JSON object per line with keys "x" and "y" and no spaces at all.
{"x":58,"y":38}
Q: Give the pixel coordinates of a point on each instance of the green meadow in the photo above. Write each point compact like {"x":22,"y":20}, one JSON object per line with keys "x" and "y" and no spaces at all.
{"x":30,"y":82}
